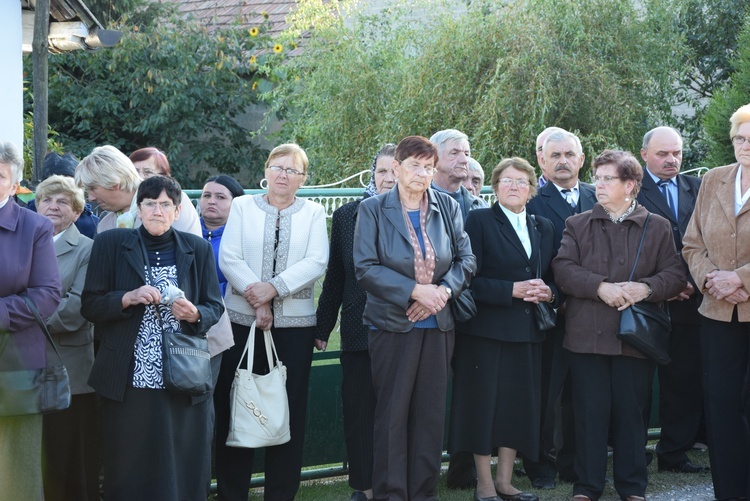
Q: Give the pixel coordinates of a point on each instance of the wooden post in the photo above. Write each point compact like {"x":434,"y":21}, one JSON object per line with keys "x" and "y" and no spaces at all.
{"x":40,"y":51}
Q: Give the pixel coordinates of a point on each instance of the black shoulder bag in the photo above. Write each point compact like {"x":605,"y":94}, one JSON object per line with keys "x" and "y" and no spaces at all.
{"x":462,"y":306}
{"x":35,"y":391}
{"x":544,"y":314}
{"x":646,"y":326}
{"x":185,"y":360}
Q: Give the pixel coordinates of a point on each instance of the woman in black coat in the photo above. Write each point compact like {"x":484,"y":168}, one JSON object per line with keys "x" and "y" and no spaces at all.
{"x":497,"y":361}
{"x":157,"y":443}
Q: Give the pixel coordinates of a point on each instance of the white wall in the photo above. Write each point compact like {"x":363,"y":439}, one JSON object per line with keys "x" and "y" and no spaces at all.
{"x":11,"y":83}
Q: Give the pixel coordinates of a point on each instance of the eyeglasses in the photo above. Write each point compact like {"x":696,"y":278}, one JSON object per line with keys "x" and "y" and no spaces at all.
{"x":148,"y":172}
{"x":151,"y":206}
{"x":605,"y":180}
{"x":289,"y":171}
{"x":520,"y":183}
{"x":740,"y":140}
{"x":416,"y":168}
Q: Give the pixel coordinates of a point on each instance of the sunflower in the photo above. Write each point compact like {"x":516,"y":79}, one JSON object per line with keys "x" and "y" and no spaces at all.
{"x":252,"y":60}
{"x":277,"y":48}
{"x":253,"y":31}
{"x":264,"y":14}
{"x":293,"y":45}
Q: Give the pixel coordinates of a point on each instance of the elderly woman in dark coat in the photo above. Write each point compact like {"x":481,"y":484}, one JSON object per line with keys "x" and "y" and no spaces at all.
{"x":410,"y":267}
{"x":157,"y":443}
{"x":497,"y":383}
{"x":611,"y":379}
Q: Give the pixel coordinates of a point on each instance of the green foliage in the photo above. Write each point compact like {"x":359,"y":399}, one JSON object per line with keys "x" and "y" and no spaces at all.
{"x":499,"y":72}
{"x":28,"y":143}
{"x":174,"y":85}
{"x":725,"y":102}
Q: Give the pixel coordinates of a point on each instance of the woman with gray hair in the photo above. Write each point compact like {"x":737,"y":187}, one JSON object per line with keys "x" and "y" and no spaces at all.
{"x":71,"y":456}
{"x":31,"y":270}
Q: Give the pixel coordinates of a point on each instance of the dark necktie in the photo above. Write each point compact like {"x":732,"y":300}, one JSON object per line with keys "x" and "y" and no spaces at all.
{"x":663,"y":185}
{"x":568,"y":194}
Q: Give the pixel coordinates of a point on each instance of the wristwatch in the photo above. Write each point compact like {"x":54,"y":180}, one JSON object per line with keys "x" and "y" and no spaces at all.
{"x":449,"y":292}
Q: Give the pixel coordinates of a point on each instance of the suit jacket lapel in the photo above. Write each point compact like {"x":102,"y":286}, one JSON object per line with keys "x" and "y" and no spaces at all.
{"x":535,"y":238}
{"x":67,"y":241}
{"x":725,"y":194}
{"x":185,"y":256}
{"x":556,"y":202}
{"x":506,"y":229}
{"x":685,"y":199}
{"x":654,"y":195}
{"x":393,"y":212}
{"x":586,"y":196}
{"x":134,"y":254}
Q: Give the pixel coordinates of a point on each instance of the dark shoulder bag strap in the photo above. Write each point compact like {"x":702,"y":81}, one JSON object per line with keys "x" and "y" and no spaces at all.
{"x":448,"y":223}
{"x":42,"y":325}
{"x":640,"y":247}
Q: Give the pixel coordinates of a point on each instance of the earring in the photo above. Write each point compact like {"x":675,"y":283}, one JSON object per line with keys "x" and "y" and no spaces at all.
{"x":627,"y":199}
{"x":263,"y":184}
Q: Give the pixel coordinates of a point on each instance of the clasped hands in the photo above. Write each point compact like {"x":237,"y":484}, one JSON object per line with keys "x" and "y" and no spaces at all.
{"x":622,"y":295}
{"x":429,"y":299}
{"x":532,"y":291}
{"x":727,"y":286}
{"x":182,"y":309}
{"x":259,"y":295}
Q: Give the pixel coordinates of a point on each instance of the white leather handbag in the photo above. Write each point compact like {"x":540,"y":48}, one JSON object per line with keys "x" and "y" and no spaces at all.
{"x":259,"y":407}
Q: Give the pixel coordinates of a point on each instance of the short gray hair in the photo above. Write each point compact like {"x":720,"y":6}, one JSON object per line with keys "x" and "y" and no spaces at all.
{"x":559,"y":136}
{"x":649,"y":134}
{"x":476,"y":166}
{"x":441,"y":137}
{"x":10,"y":155}
{"x":106,"y":166}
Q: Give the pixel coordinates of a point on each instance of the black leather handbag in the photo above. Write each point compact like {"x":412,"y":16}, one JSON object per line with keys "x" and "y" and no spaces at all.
{"x":544,"y":314}
{"x":462,"y":306}
{"x":646,"y":326}
{"x":35,"y":391}
{"x":185,"y":359}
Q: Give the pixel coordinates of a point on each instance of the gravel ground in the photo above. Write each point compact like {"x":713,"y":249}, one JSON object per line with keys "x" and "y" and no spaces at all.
{"x":700,"y":492}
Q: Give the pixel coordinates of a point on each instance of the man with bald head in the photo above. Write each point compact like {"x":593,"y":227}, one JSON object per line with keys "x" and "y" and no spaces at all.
{"x":543,"y":179}
{"x":672,"y":195}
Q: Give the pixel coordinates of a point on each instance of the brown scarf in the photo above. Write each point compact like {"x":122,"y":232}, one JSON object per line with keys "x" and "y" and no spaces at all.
{"x":424,"y":266}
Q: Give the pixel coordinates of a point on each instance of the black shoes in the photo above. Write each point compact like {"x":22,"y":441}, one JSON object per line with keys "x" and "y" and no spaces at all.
{"x":491,"y":498}
{"x":543,"y":483}
{"x":521,"y":496}
{"x":686,"y":467}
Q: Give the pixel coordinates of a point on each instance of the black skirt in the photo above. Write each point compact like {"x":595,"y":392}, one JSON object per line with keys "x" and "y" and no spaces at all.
{"x":156,"y":446}
{"x":496,"y":399}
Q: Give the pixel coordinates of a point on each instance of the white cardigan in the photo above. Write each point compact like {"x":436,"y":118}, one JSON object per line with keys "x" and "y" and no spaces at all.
{"x":246,"y":256}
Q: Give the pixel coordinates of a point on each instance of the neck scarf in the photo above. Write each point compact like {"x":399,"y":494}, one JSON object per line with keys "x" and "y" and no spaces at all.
{"x":625,"y":214}
{"x":424,"y":266}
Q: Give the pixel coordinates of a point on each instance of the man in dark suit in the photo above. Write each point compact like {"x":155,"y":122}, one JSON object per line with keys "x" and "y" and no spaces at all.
{"x":672,"y":195}
{"x":561,"y":197}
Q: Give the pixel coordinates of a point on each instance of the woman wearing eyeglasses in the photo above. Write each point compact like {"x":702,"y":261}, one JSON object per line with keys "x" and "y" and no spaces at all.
{"x":274,"y":248}
{"x":610,"y":379}
{"x":717,"y":250}
{"x":496,"y":401}
{"x":410,"y":264}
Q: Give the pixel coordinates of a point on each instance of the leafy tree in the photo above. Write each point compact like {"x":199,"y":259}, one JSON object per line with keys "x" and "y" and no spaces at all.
{"x":725,"y":102}
{"x":174,"y":85}
{"x":500,"y":72}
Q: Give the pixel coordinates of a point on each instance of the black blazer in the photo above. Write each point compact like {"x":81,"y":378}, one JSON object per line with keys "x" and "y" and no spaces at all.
{"x":116,"y":267}
{"x":340,"y":287}
{"x":502,"y":260}
{"x":550,"y":204}
{"x":653,"y":200}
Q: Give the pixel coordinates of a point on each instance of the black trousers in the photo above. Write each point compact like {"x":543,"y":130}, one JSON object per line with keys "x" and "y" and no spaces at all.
{"x":358,"y":399}
{"x":725,"y":348}
{"x":681,"y":396}
{"x":71,"y":459}
{"x":610,"y":389}
{"x":283,"y":463}
{"x":410,"y":377}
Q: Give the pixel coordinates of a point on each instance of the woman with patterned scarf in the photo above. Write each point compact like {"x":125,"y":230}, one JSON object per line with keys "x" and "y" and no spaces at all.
{"x":410,"y":265}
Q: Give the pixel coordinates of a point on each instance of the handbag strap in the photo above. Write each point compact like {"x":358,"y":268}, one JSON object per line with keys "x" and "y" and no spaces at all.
{"x":42,"y":325}
{"x":640,"y":247}
{"x":271,"y":354}
{"x":448,"y":224}
{"x":539,"y":253}
{"x":150,"y":274}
